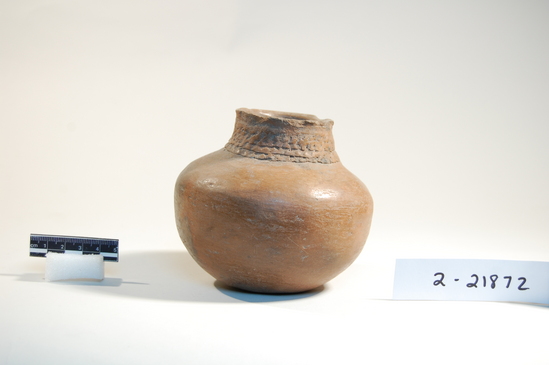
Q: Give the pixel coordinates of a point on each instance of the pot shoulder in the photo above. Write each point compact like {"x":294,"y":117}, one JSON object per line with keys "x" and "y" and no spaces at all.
{"x":282,"y":183}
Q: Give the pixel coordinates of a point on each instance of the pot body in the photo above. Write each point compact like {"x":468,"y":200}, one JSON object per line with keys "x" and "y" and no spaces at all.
{"x":268,"y":219}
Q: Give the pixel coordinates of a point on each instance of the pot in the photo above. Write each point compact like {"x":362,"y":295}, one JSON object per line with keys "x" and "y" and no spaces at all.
{"x":274,"y":211}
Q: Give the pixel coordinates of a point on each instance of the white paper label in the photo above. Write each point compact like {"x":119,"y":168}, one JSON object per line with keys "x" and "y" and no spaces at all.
{"x":484,"y":280}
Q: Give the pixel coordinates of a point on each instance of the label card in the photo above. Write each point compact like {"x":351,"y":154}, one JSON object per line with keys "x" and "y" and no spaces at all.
{"x":464,"y":279}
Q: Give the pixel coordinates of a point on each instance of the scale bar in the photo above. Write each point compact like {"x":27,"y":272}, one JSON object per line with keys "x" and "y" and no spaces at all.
{"x":41,"y":244}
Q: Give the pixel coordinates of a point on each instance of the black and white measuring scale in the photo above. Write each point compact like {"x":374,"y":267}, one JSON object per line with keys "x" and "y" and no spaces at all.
{"x":41,"y":244}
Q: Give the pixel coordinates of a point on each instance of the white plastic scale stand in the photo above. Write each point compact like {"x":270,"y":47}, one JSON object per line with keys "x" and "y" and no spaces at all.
{"x":71,"y":267}
{"x":74,"y":258}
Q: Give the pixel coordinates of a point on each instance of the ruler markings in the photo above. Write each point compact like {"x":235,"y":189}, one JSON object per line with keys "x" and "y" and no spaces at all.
{"x":40,"y":245}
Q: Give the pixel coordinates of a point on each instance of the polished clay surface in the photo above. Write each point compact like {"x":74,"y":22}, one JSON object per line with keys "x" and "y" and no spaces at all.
{"x":274,"y":211}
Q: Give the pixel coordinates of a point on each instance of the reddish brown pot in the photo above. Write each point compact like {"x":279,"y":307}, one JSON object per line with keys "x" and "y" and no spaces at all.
{"x":274,"y":211}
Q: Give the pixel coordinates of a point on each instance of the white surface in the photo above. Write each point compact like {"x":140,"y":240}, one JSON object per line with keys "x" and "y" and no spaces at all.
{"x":70,"y":266}
{"x":440,"y":108}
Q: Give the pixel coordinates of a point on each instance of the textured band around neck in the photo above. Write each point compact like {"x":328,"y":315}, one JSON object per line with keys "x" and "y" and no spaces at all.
{"x":279,"y":136}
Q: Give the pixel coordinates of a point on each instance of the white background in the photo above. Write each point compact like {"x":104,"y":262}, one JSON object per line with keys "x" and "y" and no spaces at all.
{"x":441,"y":108}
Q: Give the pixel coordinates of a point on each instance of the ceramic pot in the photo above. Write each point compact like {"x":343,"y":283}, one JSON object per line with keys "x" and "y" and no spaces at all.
{"x":274,"y":211}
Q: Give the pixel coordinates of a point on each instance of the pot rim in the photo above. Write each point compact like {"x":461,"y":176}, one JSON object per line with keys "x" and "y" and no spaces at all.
{"x":292,"y":118}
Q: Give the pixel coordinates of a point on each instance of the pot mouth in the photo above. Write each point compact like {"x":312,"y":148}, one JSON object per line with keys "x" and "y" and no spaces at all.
{"x":282,"y":136}
{"x":291,"y":118}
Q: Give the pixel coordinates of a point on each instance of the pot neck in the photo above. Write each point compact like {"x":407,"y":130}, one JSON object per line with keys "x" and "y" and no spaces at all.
{"x":279,"y":136}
